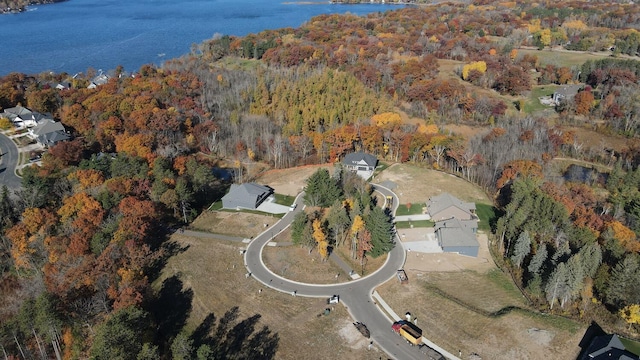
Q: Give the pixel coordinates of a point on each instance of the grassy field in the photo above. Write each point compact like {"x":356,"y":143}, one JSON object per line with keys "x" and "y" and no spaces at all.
{"x":532,"y":103}
{"x":487,"y":215}
{"x":233,"y":223}
{"x":481,"y":313}
{"x":214,"y":271}
{"x":412,"y":209}
{"x":562,"y":58}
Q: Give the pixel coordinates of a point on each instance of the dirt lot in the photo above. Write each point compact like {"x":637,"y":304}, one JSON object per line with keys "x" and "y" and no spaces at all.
{"x":233,"y":223}
{"x":457,"y":312}
{"x":416,"y":184}
{"x":214,"y":271}
{"x":290,"y":181}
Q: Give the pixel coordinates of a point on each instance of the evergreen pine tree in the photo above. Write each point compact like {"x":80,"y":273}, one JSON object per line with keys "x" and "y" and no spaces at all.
{"x":379,"y":225}
{"x":521,"y":248}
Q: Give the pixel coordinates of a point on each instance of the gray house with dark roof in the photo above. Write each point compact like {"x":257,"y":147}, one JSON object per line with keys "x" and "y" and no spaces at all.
{"x":48,"y":133}
{"x":246,"y":196}
{"x":458,"y":236}
{"x":361,"y":163}
{"x":23,"y":117}
{"x":609,"y":347}
{"x":565,"y":93}
{"x":446,"y":206}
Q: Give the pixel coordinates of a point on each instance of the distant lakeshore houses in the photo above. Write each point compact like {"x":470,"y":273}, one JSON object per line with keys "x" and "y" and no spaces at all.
{"x":41,"y":127}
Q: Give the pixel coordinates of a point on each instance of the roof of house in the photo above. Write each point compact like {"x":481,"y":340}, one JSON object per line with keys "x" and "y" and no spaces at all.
{"x":444,"y":201}
{"x":568,"y":90}
{"x":47,"y":127}
{"x":249,"y":191}
{"x":101,"y":79}
{"x":18,"y":110}
{"x":357,"y":157}
{"x":608,"y":347}
{"x":53,"y":137}
{"x":456,"y":233}
{"x":24,"y":114}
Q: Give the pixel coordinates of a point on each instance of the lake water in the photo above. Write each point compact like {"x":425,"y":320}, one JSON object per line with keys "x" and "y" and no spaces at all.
{"x":74,"y":35}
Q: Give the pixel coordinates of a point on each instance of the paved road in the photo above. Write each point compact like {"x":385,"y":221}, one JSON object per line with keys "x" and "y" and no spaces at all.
{"x":8,"y":162}
{"x":355,"y":294}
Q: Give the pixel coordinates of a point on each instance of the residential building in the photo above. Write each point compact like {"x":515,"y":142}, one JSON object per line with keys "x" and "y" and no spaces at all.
{"x":458,"y":236}
{"x":446,"y":206}
{"x":23,"y":117}
{"x":565,"y":93}
{"x":48,"y":133}
{"x":361,"y":163}
{"x":246,"y":196}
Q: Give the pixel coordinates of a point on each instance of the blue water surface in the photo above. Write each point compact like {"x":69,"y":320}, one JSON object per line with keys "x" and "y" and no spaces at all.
{"x":75,"y":35}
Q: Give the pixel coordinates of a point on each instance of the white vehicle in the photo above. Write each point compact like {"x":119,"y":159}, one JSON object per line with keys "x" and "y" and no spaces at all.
{"x":293,"y":206}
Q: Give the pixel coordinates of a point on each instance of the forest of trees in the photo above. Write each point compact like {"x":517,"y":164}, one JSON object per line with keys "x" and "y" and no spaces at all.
{"x":81,"y":241}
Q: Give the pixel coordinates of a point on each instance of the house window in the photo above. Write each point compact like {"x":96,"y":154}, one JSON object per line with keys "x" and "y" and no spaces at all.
{"x":362,"y":168}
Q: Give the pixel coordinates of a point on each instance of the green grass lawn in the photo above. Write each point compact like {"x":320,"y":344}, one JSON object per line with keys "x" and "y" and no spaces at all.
{"x":413,"y":209}
{"x":487,"y":215}
{"x":416,"y":224}
{"x":216,"y":206}
{"x":532,"y":104}
{"x":286,"y":200}
{"x":562,"y":58}
{"x":380,"y":168}
{"x":633,"y":346}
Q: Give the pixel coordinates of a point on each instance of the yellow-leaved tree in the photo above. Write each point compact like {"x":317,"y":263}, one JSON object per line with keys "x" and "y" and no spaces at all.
{"x":631,"y":314}
{"x":545,"y":37}
{"x":381,"y":120}
{"x":479,"y":66}
{"x":356,"y":227}
{"x":321,"y":239}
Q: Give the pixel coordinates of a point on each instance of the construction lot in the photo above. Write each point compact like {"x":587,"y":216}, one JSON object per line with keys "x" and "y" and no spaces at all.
{"x":463,"y":304}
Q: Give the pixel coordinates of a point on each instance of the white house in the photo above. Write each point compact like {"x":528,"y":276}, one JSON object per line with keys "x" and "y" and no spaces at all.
{"x":22,"y":117}
{"x":361,"y":163}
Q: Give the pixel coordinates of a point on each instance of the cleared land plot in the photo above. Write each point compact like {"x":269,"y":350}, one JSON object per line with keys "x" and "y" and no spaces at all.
{"x":290,"y":181}
{"x":452,"y":309}
{"x":239,"y":224}
{"x":417,"y":185}
{"x":214,"y":271}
